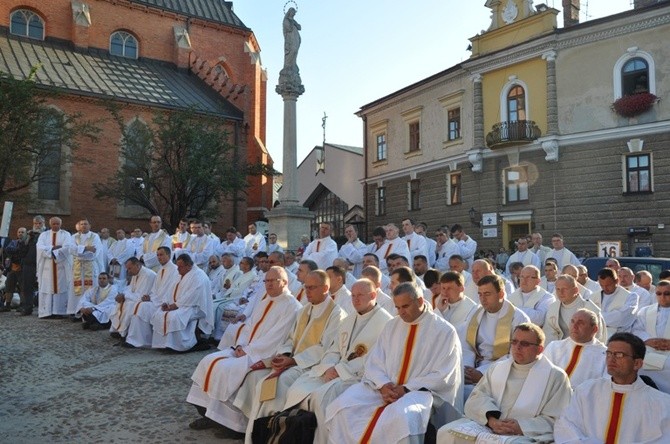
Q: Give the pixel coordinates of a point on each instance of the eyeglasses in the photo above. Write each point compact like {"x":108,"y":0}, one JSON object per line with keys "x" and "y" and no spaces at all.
{"x":522,"y":344}
{"x":663,"y":293}
{"x":617,"y":355}
{"x":267,"y":281}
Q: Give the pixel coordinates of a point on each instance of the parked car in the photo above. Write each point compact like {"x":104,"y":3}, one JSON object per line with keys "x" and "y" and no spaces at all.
{"x":653,"y":265}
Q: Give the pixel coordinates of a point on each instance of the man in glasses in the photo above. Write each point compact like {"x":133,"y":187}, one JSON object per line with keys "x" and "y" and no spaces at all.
{"x":620,"y":408}
{"x":653,"y":328}
{"x":581,"y":354}
{"x":519,"y":396}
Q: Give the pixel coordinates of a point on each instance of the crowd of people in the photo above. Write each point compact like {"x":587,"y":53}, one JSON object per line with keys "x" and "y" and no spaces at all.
{"x":407,"y":339}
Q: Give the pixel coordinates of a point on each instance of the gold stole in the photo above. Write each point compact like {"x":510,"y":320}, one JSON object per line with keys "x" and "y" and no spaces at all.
{"x":502,"y":337}
{"x":305,"y":337}
{"x":155,"y":244}
{"x":194,"y":248}
{"x":81,"y":282}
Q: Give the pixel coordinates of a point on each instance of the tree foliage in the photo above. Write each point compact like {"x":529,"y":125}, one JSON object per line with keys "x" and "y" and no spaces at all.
{"x":182,"y":165}
{"x":30,"y":131}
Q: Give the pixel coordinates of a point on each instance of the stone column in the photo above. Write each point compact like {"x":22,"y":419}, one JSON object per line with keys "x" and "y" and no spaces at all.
{"x":552,"y":96}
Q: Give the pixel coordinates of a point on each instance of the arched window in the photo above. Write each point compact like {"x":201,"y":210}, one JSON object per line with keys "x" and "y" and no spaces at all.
{"x":516,"y":104}
{"x":219,"y":69}
{"x":26,"y":24}
{"x":49,"y":157}
{"x":123,"y":44}
{"x":635,"y":76}
{"x":634,"y":73}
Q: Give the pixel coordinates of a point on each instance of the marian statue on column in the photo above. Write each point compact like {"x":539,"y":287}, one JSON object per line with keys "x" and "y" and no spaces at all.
{"x":289,"y":76}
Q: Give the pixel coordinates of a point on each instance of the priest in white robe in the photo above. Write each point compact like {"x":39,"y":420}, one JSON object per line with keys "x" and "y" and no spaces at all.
{"x":653,"y":328}
{"x":416,"y":244}
{"x":618,"y":305}
{"x":219,"y":375}
{"x":384,"y":300}
{"x":530,"y":297}
{"x":323,"y":250}
{"x":264,"y":391}
{"x":232,"y":245}
{"x":201,"y":246}
{"x":54,"y":270}
{"x":229,"y":305}
{"x":521,"y":396}
{"x":140,"y":331}
{"x":342,"y":365}
{"x":157,"y":238}
{"x":404,"y":380}
{"x":214,"y":272}
{"x":181,"y":238}
{"x":189,"y":306}
{"x":455,"y":307}
{"x":446,"y":248}
{"x":338,"y":291}
{"x":557,"y":321}
{"x":117,"y":255}
{"x":380,"y":247}
{"x":620,"y":408}
{"x":353,"y":250}
{"x":489,"y":330}
{"x":254,"y":241}
{"x":97,"y":304}
{"x":581,"y":355}
{"x":523,"y":255}
{"x":141,"y":281}
{"x":85,"y":249}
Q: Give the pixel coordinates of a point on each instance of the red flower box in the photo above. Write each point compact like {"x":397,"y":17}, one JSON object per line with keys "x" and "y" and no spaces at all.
{"x":635,"y":104}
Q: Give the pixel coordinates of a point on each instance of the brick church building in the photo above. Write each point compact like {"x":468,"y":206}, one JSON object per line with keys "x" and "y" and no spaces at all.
{"x":145,"y":56}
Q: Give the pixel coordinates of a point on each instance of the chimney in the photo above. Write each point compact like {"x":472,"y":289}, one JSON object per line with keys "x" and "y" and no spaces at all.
{"x":570,"y":13}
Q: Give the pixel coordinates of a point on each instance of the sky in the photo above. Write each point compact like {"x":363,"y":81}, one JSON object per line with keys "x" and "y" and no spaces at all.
{"x":354,"y":52}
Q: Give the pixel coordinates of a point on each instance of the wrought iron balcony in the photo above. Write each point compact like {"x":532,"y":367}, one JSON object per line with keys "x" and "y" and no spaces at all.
{"x":510,"y":133}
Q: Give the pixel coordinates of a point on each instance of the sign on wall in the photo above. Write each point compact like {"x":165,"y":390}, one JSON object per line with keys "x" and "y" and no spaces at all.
{"x":609,"y":248}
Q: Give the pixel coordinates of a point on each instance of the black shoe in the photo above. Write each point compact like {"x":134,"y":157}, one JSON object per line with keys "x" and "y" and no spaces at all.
{"x":55,"y":317}
{"x":203,"y":424}
{"x":85,"y":326}
{"x":25,"y":313}
{"x":125,"y":344}
{"x":95,"y":327}
{"x":116,"y":335}
{"x":200,"y":346}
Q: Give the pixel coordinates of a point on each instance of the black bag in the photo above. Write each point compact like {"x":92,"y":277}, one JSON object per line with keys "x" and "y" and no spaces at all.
{"x":293,"y":426}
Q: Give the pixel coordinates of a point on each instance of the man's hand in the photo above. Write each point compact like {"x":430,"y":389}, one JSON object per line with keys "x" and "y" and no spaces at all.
{"x":330,"y":374}
{"x":472,"y":376}
{"x":90,"y":248}
{"x":86,"y":311}
{"x":239,"y":352}
{"x":441,"y":303}
{"x":239,"y":318}
{"x":146,"y":298}
{"x":120,"y":298}
{"x":281,"y":362}
{"x":226,"y":284}
{"x":169,"y":307}
{"x":504,"y":426}
{"x":658,"y":343}
{"x":391,"y":392}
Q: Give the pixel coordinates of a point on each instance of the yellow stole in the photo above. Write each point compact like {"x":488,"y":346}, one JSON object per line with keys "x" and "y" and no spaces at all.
{"x":101,"y":294}
{"x":503,"y":333}
{"x":81,"y":282}
{"x":155,"y":244}
{"x":305,"y":337}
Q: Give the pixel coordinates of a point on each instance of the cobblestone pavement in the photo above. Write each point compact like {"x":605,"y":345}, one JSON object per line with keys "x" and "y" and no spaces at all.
{"x":59,"y":383}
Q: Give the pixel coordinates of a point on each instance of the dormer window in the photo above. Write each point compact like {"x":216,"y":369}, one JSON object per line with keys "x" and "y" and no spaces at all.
{"x":123,"y":44}
{"x":26,"y":23}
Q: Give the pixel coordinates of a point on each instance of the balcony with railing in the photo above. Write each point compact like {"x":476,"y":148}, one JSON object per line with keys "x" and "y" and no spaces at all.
{"x":512,"y":133}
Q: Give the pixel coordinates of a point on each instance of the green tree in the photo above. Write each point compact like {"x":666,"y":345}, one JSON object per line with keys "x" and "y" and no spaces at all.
{"x":181,"y":165}
{"x":32,"y":136}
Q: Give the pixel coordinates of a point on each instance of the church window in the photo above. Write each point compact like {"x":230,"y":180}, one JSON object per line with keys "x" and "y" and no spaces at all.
{"x":26,"y":23}
{"x":123,"y":44}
